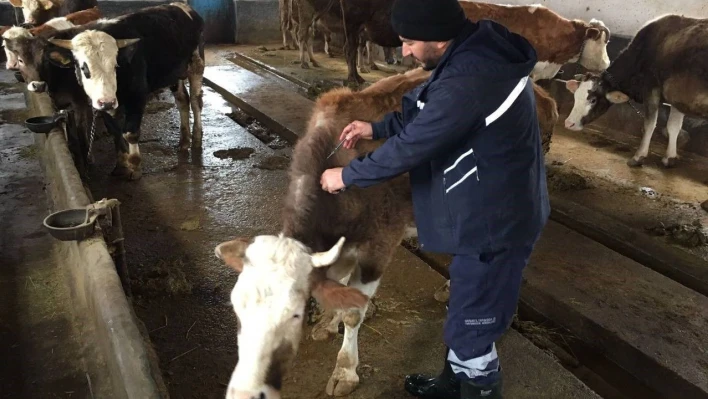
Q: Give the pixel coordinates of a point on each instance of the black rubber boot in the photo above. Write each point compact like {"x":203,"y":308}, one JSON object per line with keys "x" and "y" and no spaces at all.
{"x":444,"y":386}
{"x":470,"y":390}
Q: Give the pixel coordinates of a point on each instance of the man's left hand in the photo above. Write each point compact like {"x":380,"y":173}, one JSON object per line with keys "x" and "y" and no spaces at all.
{"x":331,"y":180}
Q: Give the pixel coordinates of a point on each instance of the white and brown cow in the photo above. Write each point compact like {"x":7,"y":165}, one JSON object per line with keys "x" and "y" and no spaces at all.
{"x":666,"y":61}
{"x":38,"y":12}
{"x":557,"y":40}
{"x":325,"y":240}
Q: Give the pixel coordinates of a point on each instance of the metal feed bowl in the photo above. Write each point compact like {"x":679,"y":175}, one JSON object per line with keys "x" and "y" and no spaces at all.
{"x":43,"y":124}
{"x":70,"y":225}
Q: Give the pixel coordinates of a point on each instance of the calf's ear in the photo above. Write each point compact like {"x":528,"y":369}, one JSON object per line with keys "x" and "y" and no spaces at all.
{"x":617,"y":97}
{"x":232,"y":252}
{"x":572,"y":85}
{"x":60,"y":58}
{"x":332,"y":295}
{"x":592,"y":34}
{"x":46,"y":4}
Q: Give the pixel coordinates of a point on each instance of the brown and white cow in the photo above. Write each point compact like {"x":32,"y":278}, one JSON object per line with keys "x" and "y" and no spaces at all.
{"x":557,"y":40}
{"x":38,"y":12}
{"x":325,"y":240}
{"x":46,"y":30}
{"x":666,"y":61}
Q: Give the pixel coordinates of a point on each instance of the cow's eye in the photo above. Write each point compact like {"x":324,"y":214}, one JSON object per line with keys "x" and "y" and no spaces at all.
{"x":86,"y":71}
{"x":593,"y":101}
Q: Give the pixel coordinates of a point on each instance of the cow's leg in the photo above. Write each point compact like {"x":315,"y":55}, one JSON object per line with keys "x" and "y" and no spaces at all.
{"x":121,"y":146}
{"x":350,"y":52}
{"x":651,"y":107}
{"x":196,"y":75}
{"x":304,"y":26}
{"x":179,"y":91}
{"x":371,"y":260}
{"x":133,"y":120}
{"x":369,"y":56}
{"x":310,"y":40}
{"x":284,"y":17}
{"x":344,"y":378}
{"x":363,"y":66}
{"x":329,"y":323}
{"x":327,"y":44}
{"x":673,"y":126}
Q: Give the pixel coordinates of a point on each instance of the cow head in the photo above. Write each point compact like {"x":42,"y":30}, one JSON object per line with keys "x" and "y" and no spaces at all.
{"x":277,"y":276}
{"x":594,"y":55}
{"x":95,"y":56}
{"x":32,"y":10}
{"x":28,"y":53}
{"x":9,"y":35}
{"x":593,"y":97}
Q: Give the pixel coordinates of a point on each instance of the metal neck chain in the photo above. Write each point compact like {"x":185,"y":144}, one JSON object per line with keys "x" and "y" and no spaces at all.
{"x":629,"y":101}
{"x":93,"y":132}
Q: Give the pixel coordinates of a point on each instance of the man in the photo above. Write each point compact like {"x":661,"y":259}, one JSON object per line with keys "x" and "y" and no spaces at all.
{"x":469,"y":138}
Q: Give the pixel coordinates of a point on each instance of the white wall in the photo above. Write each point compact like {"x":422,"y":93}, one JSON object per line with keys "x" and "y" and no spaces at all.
{"x":623,"y":17}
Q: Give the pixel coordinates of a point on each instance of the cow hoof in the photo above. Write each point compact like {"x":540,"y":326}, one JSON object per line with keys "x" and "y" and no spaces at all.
{"x":370,"y":310}
{"x":330,"y":55}
{"x":364,"y":70}
{"x":374,"y":67}
{"x":305,"y":65}
{"x":342,"y":382}
{"x":135,"y":174}
{"x":320,"y":333}
{"x":184,"y":146}
{"x":326,"y":327}
{"x":635,"y":163}
{"x":315,"y":64}
{"x":668,"y":162}
{"x":442,"y":294}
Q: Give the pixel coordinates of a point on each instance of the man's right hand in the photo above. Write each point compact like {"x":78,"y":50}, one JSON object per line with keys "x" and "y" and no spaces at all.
{"x":355,"y":131}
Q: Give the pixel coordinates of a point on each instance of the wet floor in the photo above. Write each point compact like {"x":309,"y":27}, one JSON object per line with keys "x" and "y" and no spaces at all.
{"x":43,"y":345}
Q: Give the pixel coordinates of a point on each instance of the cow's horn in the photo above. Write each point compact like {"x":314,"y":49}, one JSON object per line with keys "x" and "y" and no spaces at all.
{"x":61,"y":43}
{"x":321,"y":259}
{"x":125,"y":42}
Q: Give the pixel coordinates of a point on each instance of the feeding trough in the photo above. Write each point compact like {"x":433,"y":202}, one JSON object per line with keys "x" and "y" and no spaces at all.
{"x":71,"y":224}
{"x":44,"y":124}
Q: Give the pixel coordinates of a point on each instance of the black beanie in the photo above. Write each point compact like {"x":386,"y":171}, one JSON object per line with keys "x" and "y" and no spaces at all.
{"x":427,"y":20}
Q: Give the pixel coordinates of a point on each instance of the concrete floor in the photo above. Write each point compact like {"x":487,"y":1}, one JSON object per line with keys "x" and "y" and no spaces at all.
{"x":46,"y":348}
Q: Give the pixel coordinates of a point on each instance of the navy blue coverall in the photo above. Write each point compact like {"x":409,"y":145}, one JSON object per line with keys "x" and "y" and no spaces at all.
{"x":469,"y":139}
